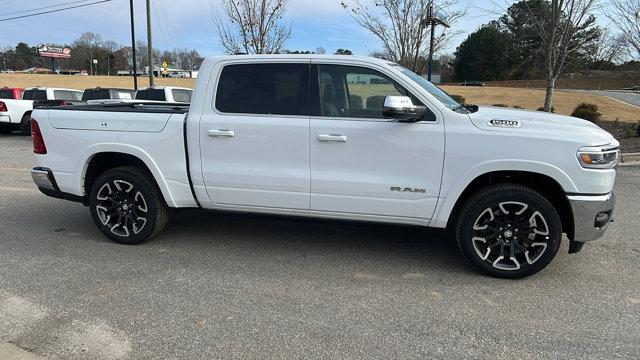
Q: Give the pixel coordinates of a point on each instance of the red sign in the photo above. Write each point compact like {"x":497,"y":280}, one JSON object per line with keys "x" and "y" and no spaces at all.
{"x":54,"y":52}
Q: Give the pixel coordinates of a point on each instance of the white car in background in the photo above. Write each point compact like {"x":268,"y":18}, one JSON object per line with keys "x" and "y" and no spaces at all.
{"x":171,"y":94}
{"x":15,"y":114}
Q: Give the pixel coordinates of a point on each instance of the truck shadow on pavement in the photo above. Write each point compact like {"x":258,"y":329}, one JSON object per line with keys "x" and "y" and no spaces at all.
{"x":343,"y":243}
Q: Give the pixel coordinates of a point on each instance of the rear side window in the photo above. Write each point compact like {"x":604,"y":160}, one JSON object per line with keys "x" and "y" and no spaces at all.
{"x":181,"y":95}
{"x":65,"y":95}
{"x":124,"y":94}
{"x":151,"y":94}
{"x":279,"y":89}
{"x":10,"y":94}
{"x":95,"y":94}
{"x":34,"y":94}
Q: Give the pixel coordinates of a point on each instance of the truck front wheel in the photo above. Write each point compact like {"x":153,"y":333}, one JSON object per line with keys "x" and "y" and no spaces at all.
{"x":508,"y":231}
{"x":127,"y":206}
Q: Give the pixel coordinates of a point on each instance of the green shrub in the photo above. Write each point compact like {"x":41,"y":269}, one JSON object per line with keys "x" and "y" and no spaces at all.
{"x":541,"y":108}
{"x":587,"y":111}
{"x":630,"y":133}
{"x":458,"y":98}
{"x":500,"y":105}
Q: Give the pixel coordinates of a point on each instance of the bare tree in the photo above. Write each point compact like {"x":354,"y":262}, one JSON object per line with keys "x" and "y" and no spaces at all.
{"x":560,"y":31}
{"x":253,"y":26}
{"x":402,"y":26}
{"x":625,"y":14}
{"x":607,"y":49}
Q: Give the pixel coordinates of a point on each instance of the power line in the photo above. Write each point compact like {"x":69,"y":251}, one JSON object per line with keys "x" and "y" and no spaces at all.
{"x":53,"y":11}
{"x":44,"y":7}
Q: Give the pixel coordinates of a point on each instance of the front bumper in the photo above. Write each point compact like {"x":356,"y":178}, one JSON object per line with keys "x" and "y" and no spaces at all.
{"x":591,"y":215}
{"x":46,"y":183}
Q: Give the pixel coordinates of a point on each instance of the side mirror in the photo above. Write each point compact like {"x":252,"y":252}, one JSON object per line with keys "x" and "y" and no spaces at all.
{"x":401,"y":108}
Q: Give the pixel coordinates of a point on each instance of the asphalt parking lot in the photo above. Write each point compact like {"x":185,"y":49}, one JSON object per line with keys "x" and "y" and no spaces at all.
{"x":236,"y":286}
{"x":630,"y":97}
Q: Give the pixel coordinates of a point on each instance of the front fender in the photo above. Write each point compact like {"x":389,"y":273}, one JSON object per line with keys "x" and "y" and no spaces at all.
{"x":450,"y":193}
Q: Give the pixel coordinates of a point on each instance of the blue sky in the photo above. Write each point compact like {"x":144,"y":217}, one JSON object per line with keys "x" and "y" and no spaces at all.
{"x":187,"y":23}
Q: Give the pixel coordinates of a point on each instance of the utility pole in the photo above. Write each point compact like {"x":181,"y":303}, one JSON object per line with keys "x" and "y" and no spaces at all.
{"x":150,"y":47}
{"x":433,"y":29}
{"x":433,"y":21}
{"x":133,"y":47}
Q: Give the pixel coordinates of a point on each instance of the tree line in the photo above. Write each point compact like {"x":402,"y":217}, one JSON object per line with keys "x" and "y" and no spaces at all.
{"x":533,"y":39}
{"x":111,"y":56}
{"x":510,"y":48}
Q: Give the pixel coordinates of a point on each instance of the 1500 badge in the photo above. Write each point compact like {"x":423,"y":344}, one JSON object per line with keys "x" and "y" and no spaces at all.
{"x":408,"y":189}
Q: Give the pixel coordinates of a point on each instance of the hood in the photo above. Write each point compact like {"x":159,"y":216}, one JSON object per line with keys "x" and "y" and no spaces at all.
{"x":540,"y":123}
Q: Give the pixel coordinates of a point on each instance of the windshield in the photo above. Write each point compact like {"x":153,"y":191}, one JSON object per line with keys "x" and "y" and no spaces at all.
{"x":438,"y":93}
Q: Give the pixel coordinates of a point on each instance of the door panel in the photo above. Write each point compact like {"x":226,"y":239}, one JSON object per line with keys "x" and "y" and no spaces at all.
{"x":255,"y":147}
{"x":382,"y":167}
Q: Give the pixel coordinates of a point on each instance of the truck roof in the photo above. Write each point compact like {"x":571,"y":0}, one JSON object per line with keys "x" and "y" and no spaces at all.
{"x":165,"y":87}
{"x":341,"y":58}
{"x":51,"y":88}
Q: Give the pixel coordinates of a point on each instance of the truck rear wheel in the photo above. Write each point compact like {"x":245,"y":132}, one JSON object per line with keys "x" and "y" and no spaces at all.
{"x":127,"y":206}
{"x":508,"y":231}
{"x":25,"y":124}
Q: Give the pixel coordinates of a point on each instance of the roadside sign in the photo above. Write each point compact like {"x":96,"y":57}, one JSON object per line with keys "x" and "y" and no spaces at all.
{"x":53,"y":52}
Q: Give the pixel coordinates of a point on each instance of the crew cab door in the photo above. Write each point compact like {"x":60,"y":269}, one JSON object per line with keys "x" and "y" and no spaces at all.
{"x":362,"y":163}
{"x":255,"y":141}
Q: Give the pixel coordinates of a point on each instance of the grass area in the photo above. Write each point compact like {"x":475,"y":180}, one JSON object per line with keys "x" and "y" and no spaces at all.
{"x":83,"y":82}
{"x":532,"y":99}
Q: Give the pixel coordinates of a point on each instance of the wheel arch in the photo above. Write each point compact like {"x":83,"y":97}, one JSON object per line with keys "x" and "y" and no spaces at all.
{"x":101,"y":158}
{"x":28,"y":112}
{"x":544,"y":184}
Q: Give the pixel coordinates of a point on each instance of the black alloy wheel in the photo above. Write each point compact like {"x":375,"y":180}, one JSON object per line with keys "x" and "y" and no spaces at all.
{"x":509,"y":231}
{"x":127,"y":206}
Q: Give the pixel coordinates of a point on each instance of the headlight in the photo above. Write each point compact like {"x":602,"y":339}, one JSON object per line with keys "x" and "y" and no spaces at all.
{"x":598,"y":157}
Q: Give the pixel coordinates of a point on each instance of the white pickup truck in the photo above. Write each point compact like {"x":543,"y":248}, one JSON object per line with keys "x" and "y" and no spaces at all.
{"x":338,"y":137}
{"x":15,"y":113}
{"x":172,"y":94}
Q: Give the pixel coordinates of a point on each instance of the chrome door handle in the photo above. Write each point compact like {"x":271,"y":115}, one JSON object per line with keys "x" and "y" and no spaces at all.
{"x":332,"y":137}
{"x":222,"y":133}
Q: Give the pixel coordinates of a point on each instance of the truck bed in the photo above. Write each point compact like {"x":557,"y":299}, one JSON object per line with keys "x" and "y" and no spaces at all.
{"x":137,"y":107}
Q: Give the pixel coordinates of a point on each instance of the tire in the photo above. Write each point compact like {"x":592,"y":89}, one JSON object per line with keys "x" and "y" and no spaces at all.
{"x":25,"y":124}
{"x":118,"y":200}
{"x":491,"y":225}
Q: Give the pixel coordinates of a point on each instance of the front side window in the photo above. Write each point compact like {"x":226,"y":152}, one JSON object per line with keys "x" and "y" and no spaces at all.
{"x":278,"y":89}
{"x":357,"y":92}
